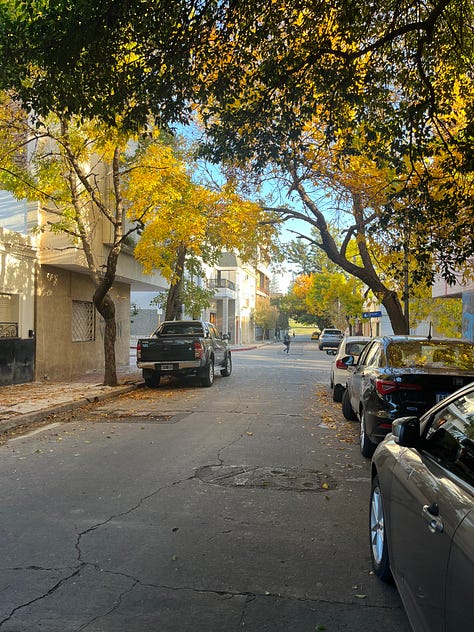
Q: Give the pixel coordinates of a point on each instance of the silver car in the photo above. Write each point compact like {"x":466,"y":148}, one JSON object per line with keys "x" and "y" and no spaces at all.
{"x":350,"y":346}
{"x":422,"y":514}
{"x":330,"y":338}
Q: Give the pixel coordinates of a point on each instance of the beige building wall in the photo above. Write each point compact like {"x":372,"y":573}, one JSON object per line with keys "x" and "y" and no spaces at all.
{"x":17,"y":278}
{"x":58,"y":354}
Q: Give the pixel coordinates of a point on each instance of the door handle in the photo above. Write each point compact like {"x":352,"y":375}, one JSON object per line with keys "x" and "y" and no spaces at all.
{"x":431,"y":515}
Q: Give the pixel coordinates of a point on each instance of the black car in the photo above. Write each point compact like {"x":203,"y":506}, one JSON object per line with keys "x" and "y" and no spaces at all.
{"x":422,"y":514}
{"x":397,"y":376}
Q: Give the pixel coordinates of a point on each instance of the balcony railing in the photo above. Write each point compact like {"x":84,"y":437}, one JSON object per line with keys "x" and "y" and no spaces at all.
{"x":8,"y":330}
{"x":221,"y":283}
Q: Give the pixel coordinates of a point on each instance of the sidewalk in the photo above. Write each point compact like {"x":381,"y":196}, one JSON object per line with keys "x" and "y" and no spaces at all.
{"x":23,"y":404}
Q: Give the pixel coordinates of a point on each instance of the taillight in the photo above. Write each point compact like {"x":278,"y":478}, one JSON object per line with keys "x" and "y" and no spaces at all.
{"x":341,"y":365}
{"x":139,"y":351}
{"x":198,"y":350}
{"x":384,"y":387}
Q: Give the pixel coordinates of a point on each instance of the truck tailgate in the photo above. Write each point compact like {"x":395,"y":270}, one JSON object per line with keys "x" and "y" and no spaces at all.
{"x":162,"y":350}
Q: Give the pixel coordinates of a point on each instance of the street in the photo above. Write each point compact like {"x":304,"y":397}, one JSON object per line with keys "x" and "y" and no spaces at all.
{"x":243,"y":506}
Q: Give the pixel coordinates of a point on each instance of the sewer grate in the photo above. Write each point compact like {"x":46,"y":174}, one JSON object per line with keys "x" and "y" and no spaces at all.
{"x":293,"y":479}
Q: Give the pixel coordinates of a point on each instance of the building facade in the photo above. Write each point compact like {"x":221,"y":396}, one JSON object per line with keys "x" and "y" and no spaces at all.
{"x":46,"y":291}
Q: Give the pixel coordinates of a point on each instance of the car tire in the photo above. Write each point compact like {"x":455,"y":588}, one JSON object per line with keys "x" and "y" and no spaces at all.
{"x":208,"y":377}
{"x":227,"y":370}
{"x":378,"y":534}
{"x":152,"y":378}
{"x":347,"y":408}
{"x":337,"y":393}
{"x":367,"y":447}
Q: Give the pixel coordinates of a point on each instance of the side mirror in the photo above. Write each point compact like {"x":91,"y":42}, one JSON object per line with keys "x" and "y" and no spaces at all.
{"x":348,"y":360}
{"x":225,"y":336}
{"x":406,"y":431}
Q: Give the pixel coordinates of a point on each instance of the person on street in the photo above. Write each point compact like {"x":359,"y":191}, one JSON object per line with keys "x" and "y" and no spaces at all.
{"x":286,"y":342}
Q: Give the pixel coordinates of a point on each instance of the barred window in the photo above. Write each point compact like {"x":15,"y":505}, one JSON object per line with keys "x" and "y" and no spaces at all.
{"x":83,"y":321}
{"x":9,"y":315}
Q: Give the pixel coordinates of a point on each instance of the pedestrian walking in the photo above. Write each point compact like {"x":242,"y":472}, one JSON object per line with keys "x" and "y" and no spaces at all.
{"x":286,"y":342}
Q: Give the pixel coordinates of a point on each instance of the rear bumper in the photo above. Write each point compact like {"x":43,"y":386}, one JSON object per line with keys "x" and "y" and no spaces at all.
{"x":329,"y":344}
{"x":184,"y":365}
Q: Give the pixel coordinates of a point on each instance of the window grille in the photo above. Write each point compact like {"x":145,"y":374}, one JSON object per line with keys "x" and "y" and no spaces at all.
{"x":83,"y":321}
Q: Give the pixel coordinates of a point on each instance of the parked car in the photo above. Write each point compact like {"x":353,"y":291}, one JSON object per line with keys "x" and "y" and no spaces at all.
{"x":350,"y":349}
{"x":330,"y":338}
{"x":422,"y":514}
{"x":397,"y":376}
{"x":315,"y":335}
{"x":184,"y":347}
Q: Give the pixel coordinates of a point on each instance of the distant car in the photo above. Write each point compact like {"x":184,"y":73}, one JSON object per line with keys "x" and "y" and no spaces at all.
{"x":421,"y":522}
{"x":330,"y":338}
{"x":315,"y":335}
{"x":397,"y":376}
{"x":350,"y":349}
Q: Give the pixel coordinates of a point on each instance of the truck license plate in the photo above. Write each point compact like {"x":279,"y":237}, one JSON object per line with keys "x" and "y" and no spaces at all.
{"x":166,"y":367}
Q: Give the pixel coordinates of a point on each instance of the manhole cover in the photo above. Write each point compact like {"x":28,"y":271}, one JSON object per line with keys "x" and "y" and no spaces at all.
{"x":266,"y":477}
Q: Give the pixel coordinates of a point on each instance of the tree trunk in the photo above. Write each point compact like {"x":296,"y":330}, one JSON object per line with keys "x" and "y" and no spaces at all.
{"x":173,"y":303}
{"x":106,"y":308}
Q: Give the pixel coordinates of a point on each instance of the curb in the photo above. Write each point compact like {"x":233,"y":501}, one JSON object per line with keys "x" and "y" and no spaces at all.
{"x":39,"y":415}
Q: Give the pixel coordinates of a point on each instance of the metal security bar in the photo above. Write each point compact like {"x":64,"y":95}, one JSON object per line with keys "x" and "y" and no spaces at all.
{"x":83,"y":321}
{"x":8,"y":330}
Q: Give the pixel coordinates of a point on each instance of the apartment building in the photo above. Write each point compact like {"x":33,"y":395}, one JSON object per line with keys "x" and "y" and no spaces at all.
{"x":46,"y":307}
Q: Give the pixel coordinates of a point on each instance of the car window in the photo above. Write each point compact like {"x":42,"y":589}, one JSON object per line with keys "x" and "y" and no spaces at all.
{"x":432,"y":354}
{"x":372,"y":357}
{"x":180,"y":328}
{"x":365,"y":352}
{"x":354,"y":348}
{"x":450,"y":438}
{"x":214,"y":332}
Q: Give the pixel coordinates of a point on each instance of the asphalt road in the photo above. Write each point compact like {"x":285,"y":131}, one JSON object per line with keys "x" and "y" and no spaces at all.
{"x":238,"y":507}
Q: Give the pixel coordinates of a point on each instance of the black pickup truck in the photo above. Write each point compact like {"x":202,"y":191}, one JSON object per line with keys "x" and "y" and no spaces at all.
{"x":184,"y":347}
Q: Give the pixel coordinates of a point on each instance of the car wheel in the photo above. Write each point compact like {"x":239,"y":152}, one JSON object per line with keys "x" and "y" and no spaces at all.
{"x":227,"y":370}
{"x":367,"y":447}
{"x":337,"y":393}
{"x":378,"y":534}
{"x":347,"y":408}
{"x":208,"y":378}
{"x":152,"y":378}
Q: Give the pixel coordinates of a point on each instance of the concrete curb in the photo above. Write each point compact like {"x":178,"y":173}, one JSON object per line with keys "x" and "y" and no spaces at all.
{"x":40,"y":415}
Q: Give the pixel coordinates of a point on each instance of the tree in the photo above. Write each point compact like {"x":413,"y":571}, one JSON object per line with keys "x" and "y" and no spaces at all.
{"x":266,"y":317}
{"x":384,"y":83}
{"x":193,"y":225}
{"x":328,"y":298}
{"x":71,"y":170}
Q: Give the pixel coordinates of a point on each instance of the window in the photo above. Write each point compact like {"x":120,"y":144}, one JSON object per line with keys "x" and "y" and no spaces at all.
{"x":9,"y":315}
{"x":372,"y":357}
{"x":450,"y":438}
{"x":83,"y":321}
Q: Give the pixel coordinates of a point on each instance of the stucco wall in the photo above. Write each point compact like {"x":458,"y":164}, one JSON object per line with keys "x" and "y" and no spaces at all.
{"x":17,"y":276}
{"x":56,"y":353}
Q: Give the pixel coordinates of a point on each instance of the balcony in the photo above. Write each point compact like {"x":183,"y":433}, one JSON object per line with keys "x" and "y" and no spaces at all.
{"x":221,"y":283}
